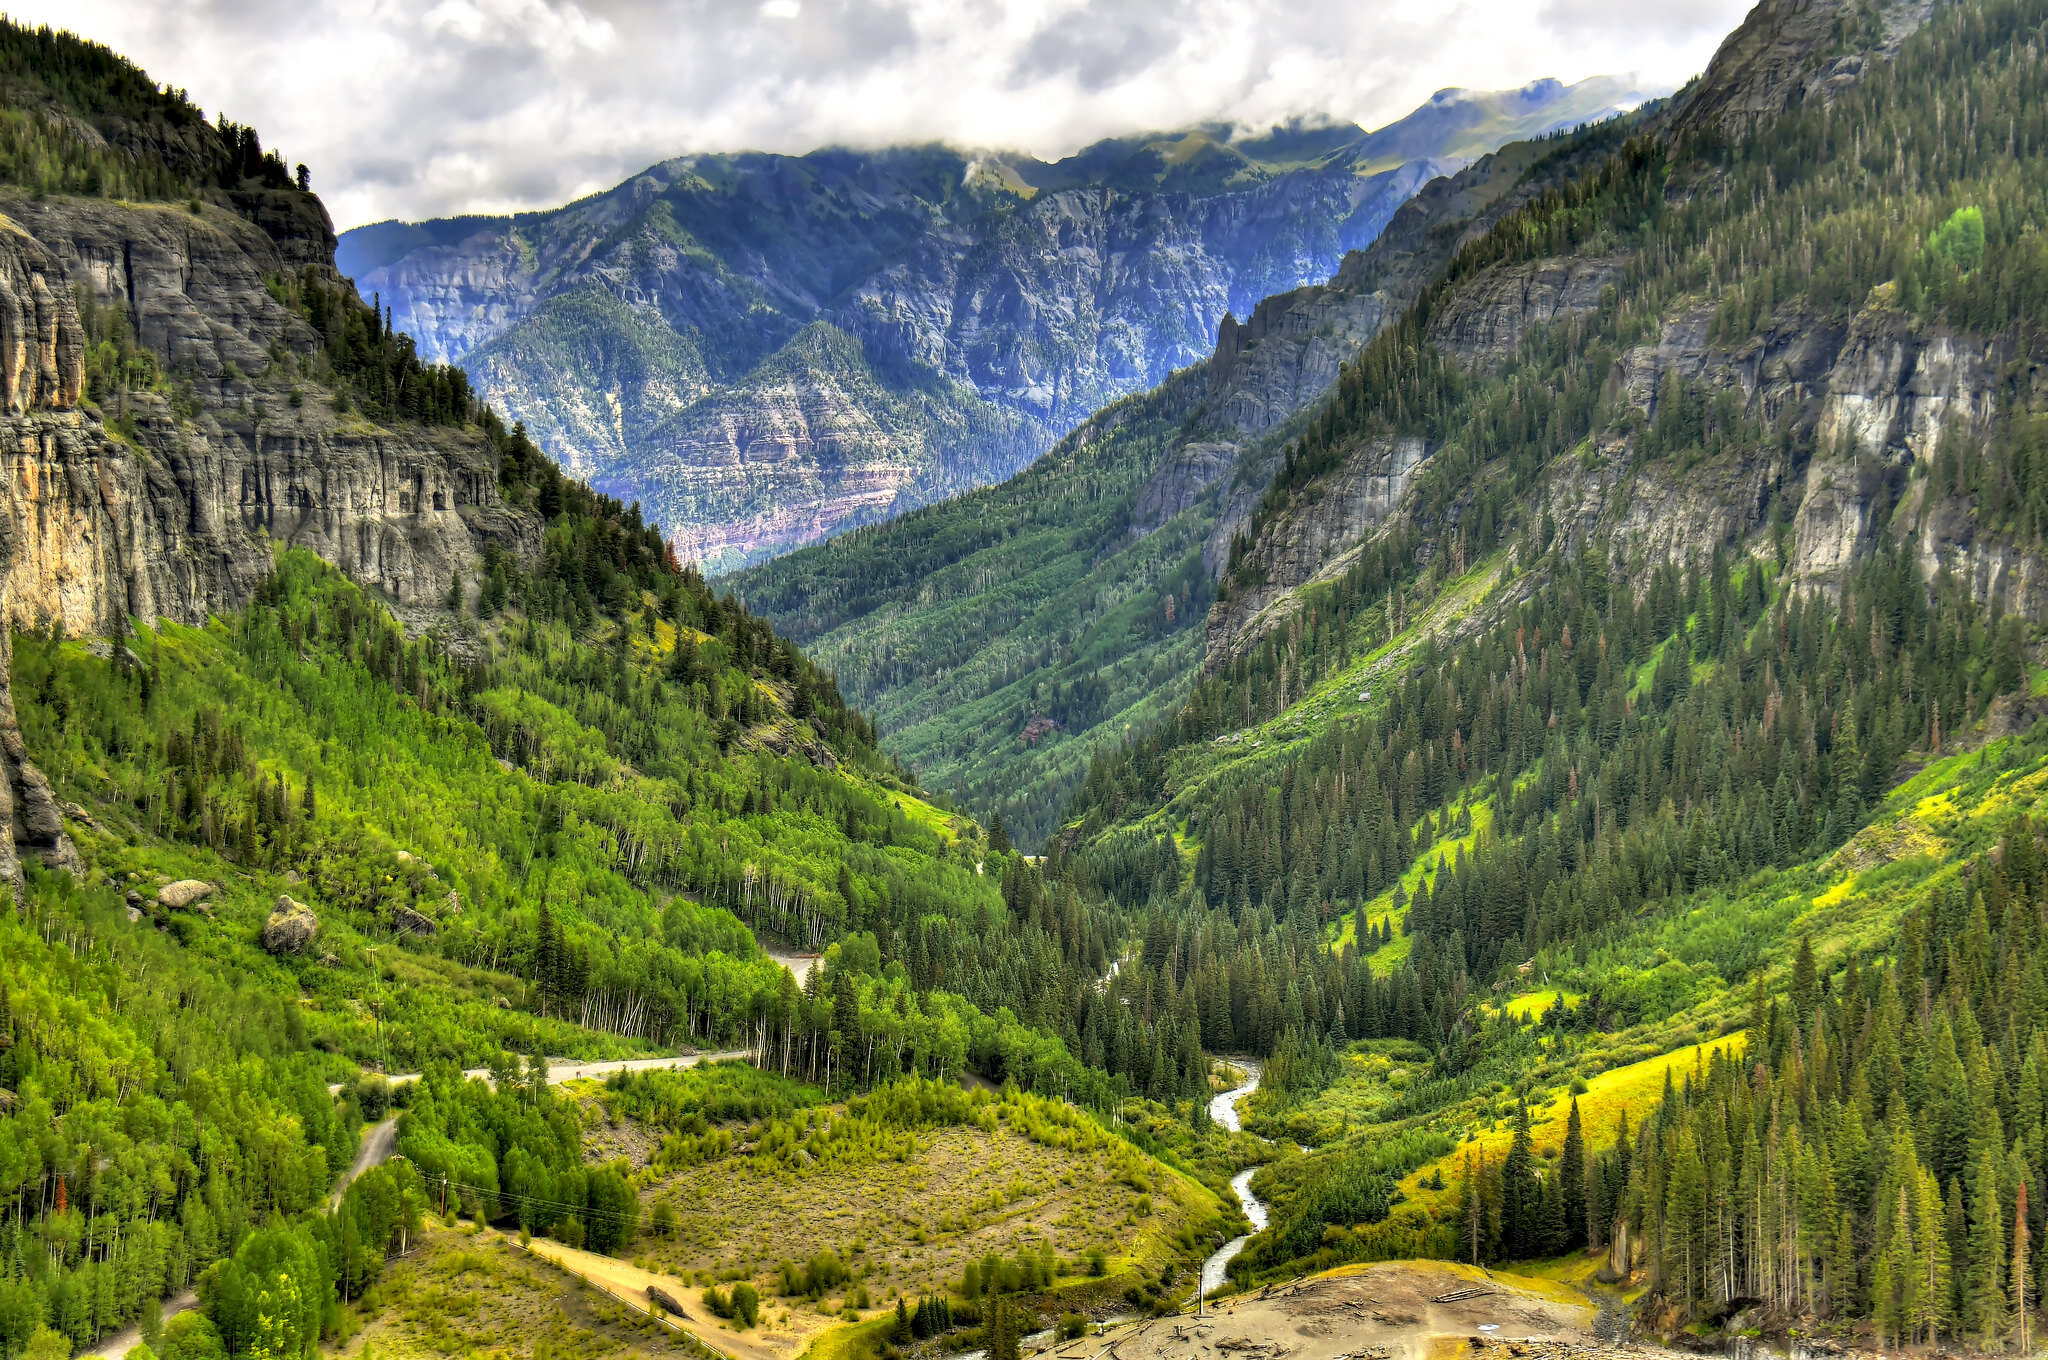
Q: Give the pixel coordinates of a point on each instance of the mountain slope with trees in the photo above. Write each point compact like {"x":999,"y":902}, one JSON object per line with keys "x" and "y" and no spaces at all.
{"x":344,"y":735}
{"x":1632,"y":713}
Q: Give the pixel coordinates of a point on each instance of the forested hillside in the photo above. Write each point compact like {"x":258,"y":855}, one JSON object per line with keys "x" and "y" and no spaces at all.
{"x":415,"y":755}
{"x":997,"y":636}
{"x":1002,"y":637}
{"x":1602,"y":790}
{"x":1699,"y":637}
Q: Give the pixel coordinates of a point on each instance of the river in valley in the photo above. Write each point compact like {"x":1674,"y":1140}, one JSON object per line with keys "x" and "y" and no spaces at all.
{"x":1223,"y":1109}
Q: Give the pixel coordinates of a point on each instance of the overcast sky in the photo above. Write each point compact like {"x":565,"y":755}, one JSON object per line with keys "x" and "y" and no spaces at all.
{"x":423,"y":108}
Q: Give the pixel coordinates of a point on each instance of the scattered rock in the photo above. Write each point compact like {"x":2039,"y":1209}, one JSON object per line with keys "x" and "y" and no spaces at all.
{"x":291,"y":878}
{"x":404,"y":856}
{"x":663,"y":1300}
{"x":79,"y":814}
{"x":8,"y":1100}
{"x":291,"y":927}
{"x":184,"y":893}
{"x":134,"y":915}
{"x":329,"y":961}
{"x":502,"y":1004}
{"x":410,"y":922}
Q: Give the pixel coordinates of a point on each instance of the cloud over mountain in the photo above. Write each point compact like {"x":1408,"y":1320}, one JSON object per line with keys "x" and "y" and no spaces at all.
{"x":493,"y":105}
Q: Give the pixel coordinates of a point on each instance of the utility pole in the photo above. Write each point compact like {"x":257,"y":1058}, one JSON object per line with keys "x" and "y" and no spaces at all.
{"x":377,"y":1006}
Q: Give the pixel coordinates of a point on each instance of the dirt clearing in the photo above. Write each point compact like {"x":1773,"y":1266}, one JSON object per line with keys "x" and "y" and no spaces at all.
{"x":1380,"y":1312}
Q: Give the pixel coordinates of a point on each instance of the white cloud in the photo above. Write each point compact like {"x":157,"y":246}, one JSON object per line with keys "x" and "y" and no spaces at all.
{"x":409,"y":110}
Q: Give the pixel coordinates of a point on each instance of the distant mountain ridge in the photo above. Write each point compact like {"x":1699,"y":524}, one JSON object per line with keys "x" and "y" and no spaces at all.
{"x":766,"y":349}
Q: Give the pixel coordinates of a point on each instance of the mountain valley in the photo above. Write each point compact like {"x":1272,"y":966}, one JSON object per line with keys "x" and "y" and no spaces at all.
{"x":763,"y":350}
{"x":1540,"y":723}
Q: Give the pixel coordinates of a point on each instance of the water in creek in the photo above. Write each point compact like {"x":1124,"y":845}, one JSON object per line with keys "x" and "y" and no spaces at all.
{"x":1223,"y":1109}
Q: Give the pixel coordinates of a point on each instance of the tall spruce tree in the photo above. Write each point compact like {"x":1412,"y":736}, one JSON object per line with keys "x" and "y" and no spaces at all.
{"x":1519,"y":1204}
{"x":1571,"y":1179}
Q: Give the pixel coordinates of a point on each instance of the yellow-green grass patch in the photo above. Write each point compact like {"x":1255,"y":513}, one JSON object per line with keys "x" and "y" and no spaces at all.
{"x":1534,"y":1005}
{"x":1632,"y":1091}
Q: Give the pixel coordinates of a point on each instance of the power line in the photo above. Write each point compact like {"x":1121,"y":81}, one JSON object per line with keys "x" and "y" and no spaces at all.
{"x":586,"y":1211}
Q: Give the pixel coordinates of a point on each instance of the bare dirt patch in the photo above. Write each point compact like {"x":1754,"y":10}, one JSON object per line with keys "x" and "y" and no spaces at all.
{"x":628,"y":1281}
{"x":1379,"y":1312}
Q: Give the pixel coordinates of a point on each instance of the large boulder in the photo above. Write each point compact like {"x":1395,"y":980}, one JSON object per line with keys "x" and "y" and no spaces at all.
{"x":184,"y":893}
{"x":291,"y":927}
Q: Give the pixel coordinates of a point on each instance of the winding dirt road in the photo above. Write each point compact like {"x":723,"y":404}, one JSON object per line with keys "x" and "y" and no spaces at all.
{"x":561,"y":1069}
{"x":380,"y":1140}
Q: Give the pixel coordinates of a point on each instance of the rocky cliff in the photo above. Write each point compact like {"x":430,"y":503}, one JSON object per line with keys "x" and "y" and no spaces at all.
{"x":168,"y":501}
{"x":1854,"y":399}
{"x":1270,"y":369}
{"x":174,"y":513}
{"x":663,"y":337}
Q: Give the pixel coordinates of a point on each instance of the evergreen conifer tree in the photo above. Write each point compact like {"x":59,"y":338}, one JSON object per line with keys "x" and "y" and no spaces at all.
{"x":1571,"y":1178}
{"x":1805,"y":982}
{"x":1984,"y":1301}
{"x":1518,"y":1192}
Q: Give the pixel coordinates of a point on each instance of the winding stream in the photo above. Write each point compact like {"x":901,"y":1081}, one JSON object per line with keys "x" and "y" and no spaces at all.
{"x":1223,"y":1109}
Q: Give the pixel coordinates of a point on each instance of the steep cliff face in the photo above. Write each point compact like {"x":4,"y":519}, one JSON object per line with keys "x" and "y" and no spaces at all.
{"x":191,"y":283}
{"x":1787,"y":51}
{"x":653,"y":337}
{"x":176,"y":518}
{"x":1855,"y":401}
{"x":1870,"y":397}
{"x":816,"y":443}
{"x":174,"y":512}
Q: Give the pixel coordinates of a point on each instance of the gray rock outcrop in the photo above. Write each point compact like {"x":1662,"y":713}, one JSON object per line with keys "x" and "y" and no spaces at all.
{"x":176,"y":514}
{"x":410,"y":921}
{"x":291,"y":927}
{"x":186,"y":892}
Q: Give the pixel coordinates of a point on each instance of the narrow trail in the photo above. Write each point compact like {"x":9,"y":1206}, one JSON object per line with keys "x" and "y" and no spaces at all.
{"x":128,"y":1338}
{"x":378,"y":1142}
{"x":376,"y":1147}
